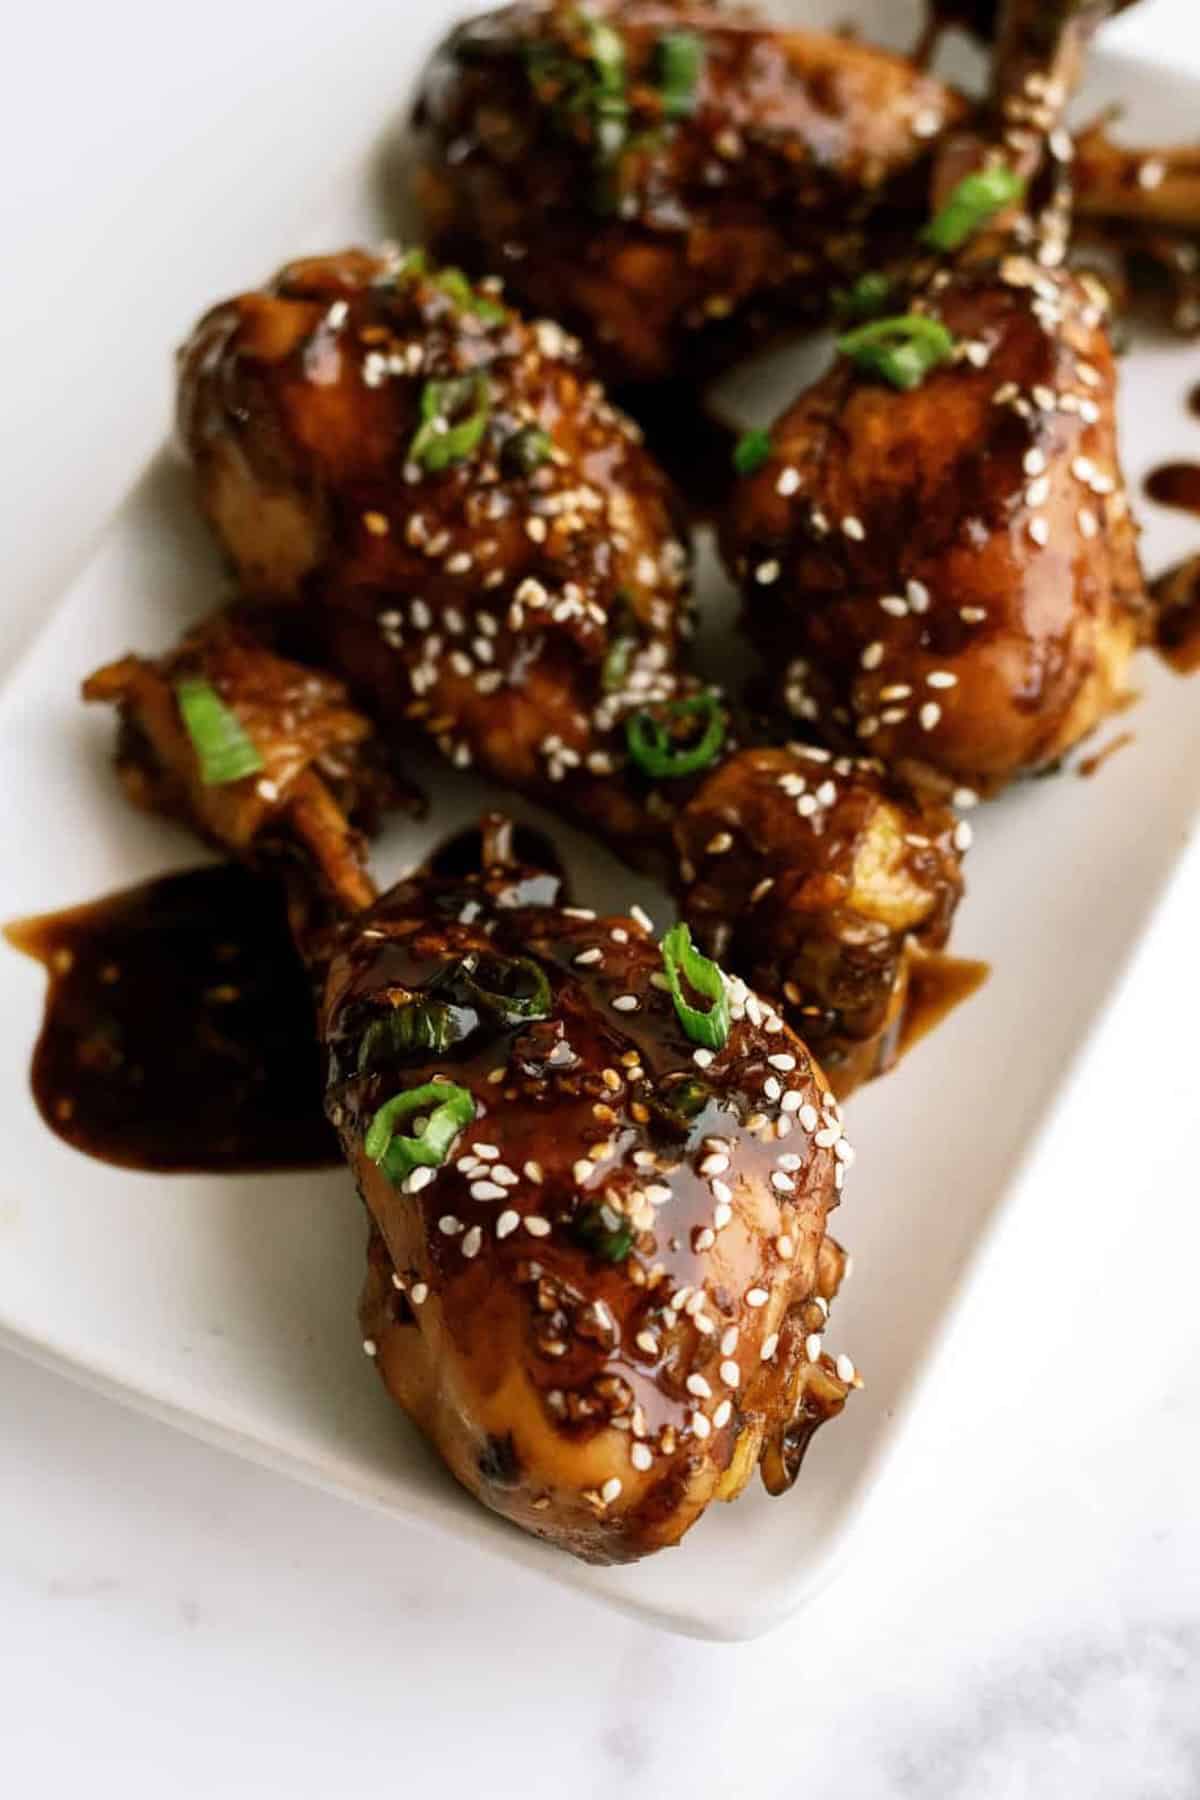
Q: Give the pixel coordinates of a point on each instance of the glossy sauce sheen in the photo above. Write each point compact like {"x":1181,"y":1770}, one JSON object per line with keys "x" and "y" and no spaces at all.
{"x":1176,"y":484}
{"x":179,"y":1030}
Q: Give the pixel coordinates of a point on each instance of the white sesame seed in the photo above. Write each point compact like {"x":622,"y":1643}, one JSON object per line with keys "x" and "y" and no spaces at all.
{"x":788,"y":483}
{"x":449,"y":1226}
{"x":756,"y":1297}
{"x":697,"y":1385}
{"x":418,"y":1293}
{"x":918,"y":596}
{"x":1089,"y":525}
{"x":807,"y":1117}
{"x":507,"y":1222}
{"x":370,"y":1347}
{"x":420,"y":1178}
{"x":587,"y":957}
{"x":782,"y":1061}
{"x":972,"y":615}
{"x":731,"y":1374}
{"x":472,"y":1241}
{"x":872,"y":656}
{"x":963,"y":835}
{"x":641,"y":917}
{"x":785,"y":1247}
{"x":625,"y":1003}
{"x":489,"y":1152}
{"x":722,"y":1414}
{"x":532,"y":1171}
{"x":1151,"y":172}
{"x":700,"y":1425}
{"x":486,"y":1190}
{"x":893,"y":605}
{"x":716,"y":1164}
{"x":767,"y":573}
{"x":641,"y":1457}
{"x":929,"y":715}
{"x":812,"y":1346}
{"x":827,"y":1137}
{"x":1034,"y":461}
{"x":781,"y":1182}
{"x":845,"y":1369}
{"x":1039,"y":530}
{"x":611,"y":1490}
{"x":718,"y":845}
{"x":1038,"y":492}
{"x":769,"y":1347}
{"x":702,"y":1058}
{"x":965,"y":797}
{"x":854,"y":528}
{"x":941,"y":678}
{"x":536,"y":1226}
{"x":722,"y":1213}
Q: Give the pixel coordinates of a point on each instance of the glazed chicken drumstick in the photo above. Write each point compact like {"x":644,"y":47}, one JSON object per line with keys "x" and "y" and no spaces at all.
{"x":514,"y":586}
{"x":597,"y":1172}
{"x":936,"y":549}
{"x":674,"y":181}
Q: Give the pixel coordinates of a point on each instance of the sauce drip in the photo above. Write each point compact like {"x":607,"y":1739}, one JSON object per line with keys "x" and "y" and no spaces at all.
{"x":179,"y":1029}
{"x":1176,"y":484}
{"x":1091,"y":765}
{"x":1177,"y":630}
{"x":937,"y":983}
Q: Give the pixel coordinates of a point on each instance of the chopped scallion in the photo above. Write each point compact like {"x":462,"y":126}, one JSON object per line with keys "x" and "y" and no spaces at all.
{"x":865,"y":300}
{"x":971,"y":204}
{"x":680,"y":57}
{"x":683,"y":962}
{"x":218,"y":737}
{"x":452,"y":1108}
{"x":448,"y":432}
{"x":659,"y":752}
{"x":751,"y":451}
{"x":607,"y":1234}
{"x":900,"y":350}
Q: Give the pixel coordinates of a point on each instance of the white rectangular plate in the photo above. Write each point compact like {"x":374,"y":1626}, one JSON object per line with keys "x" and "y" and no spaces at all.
{"x":228,"y":1305}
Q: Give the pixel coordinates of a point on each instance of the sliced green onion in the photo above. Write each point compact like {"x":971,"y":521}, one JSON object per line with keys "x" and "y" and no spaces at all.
{"x":439,"y":443}
{"x":901,"y":350}
{"x":865,"y":300}
{"x":525,"y":452}
{"x":226,"y":753}
{"x":658,"y":752}
{"x":685,"y":1099}
{"x":971,"y":204}
{"x":413,"y":262}
{"x":680,"y":57}
{"x":453,"y":1107}
{"x":418,"y":1024}
{"x":683,"y":962}
{"x":497,"y":983}
{"x":751,"y":451}
{"x":607,"y":1234}
{"x":454,"y":283}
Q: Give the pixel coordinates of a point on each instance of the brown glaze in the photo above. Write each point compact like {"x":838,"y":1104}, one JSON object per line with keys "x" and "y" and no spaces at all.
{"x":515,"y":617}
{"x":937,"y":984}
{"x":1177,"y":619}
{"x":553,"y":1376}
{"x":178,"y":1031}
{"x":947,"y":577}
{"x":820,"y":880}
{"x":803,"y":160}
{"x":1175,"y":484}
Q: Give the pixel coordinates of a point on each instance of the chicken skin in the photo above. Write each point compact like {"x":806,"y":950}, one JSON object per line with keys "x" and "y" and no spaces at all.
{"x":599,"y":1275}
{"x":672,"y":181}
{"x":480,"y":543}
{"x":826,"y":884}
{"x":944,"y":570}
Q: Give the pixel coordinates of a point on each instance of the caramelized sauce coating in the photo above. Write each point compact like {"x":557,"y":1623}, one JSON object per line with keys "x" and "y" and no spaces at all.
{"x":671,"y":218}
{"x":606,"y":1305}
{"x":820,"y":880}
{"x":515,"y":602}
{"x":949,"y":576}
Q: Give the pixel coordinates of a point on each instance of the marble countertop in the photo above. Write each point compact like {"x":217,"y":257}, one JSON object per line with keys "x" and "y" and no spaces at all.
{"x":1021,"y":1614}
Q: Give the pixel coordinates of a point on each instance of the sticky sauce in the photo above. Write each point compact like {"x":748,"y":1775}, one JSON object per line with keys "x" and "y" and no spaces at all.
{"x":937,"y":983}
{"x":1177,"y":627}
{"x":1176,"y":484}
{"x":178,"y":1031}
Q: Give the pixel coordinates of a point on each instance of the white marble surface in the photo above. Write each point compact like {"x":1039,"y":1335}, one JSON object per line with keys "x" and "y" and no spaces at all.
{"x":1022,"y":1614}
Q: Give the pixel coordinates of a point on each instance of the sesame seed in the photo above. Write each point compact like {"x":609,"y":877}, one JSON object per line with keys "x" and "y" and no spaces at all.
{"x":716,"y":1164}
{"x":722,"y":1414}
{"x":611,"y":1490}
{"x":641,"y":1457}
{"x":700,"y":1425}
{"x":1039,"y":531}
{"x":807,"y":1117}
{"x":729,"y":1340}
{"x":756,"y":1297}
{"x":767,"y":573}
{"x":812,"y":1346}
{"x":782,"y":1061}
{"x":1034,"y":462}
{"x":854,"y":528}
{"x":893,"y":605}
{"x":718,"y":845}
{"x":731,"y":1374}
{"x":486,"y":1190}
{"x":872,"y":656}
{"x":449,"y":1226}
{"x":929,"y":715}
{"x":704,"y":1239}
{"x":370,"y":1347}
{"x":420,"y":1178}
{"x":788,"y":483}
{"x":641,"y":917}
{"x":972,"y":615}
{"x":472,"y":1241}
{"x":963,"y":835}
{"x":697,"y":1385}
{"x":587,"y":957}
{"x":625,"y":1003}
{"x":536,"y":1226}
{"x":965,"y":797}
{"x":785,"y":1247}
{"x":1089,"y":525}
{"x":782,"y":1183}
{"x":418,"y":1293}
{"x":702,"y":1058}
{"x":507,"y":1222}
{"x":941,"y":678}
{"x":1151,"y":172}
{"x":532,"y":1172}
{"x":722,"y":1211}
{"x":770,"y":1345}
{"x":489,"y":1152}
{"x":918,"y":596}
{"x":827,"y":1137}
{"x":845,"y":1368}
